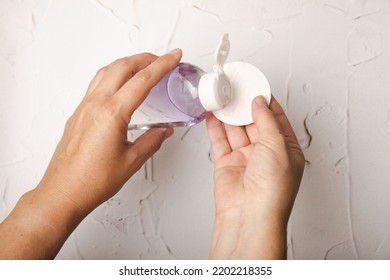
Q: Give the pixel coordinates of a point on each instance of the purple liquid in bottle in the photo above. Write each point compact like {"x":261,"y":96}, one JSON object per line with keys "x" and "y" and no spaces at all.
{"x":174,"y":101}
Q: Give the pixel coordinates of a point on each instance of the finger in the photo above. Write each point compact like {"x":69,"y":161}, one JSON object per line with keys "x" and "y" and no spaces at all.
{"x":134,"y":91}
{"x":121,"y":70}
{"x":146,"y":145}
{"x":283,"y":121}
{"x":218,"y":139}
{"x":265,"y":119}
{"x":252,"y":133}
{"x":237,"y":136}
{"x":96,"y":80}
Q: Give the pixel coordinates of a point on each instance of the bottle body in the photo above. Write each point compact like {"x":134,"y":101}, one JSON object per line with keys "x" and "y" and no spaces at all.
{"x":186,"y":94}
{"x":174,"y":101}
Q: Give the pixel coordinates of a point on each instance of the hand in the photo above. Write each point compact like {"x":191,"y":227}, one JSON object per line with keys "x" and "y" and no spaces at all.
{"x":258,"y":169}
{"x":93,"y":159}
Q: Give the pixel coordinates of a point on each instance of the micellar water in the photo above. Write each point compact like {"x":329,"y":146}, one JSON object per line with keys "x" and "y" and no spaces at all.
{"x":187,"y":94}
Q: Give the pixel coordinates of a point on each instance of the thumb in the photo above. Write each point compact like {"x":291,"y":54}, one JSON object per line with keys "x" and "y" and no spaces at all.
{"x":147,"y":144}
{"x":264,"y":118}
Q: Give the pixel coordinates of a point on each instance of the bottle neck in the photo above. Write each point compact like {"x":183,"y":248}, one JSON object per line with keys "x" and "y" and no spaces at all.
{"x":214,"y":91}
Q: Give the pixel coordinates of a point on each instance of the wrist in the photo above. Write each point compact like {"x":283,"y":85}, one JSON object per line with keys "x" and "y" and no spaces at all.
{"x":256,"y":230}
{"x":261,"y":237}
{"x":51,"y":212}
{"x":37,"y":227}
{"x":55,"y":207}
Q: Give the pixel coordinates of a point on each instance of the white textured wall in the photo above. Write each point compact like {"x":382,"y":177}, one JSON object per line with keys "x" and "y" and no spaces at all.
{"x":328,"y":62}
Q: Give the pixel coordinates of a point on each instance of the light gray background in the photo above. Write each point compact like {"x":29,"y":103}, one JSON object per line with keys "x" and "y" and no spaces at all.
{"x":328,"y":62}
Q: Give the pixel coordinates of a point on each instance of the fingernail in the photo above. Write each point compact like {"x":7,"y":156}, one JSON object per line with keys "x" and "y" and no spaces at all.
{"x":176,"y":53}
{"x":162,"y":129}
{"x":167,"y":131}
{"x":260,"y":100}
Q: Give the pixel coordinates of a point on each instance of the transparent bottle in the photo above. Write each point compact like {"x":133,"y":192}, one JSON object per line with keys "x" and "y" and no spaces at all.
{"x":174,"y":101}
{"x":187,"y":93}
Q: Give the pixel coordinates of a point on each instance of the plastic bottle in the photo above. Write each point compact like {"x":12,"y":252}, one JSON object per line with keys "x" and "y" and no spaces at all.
{"x":186,"y":94}
{"x":174,"y":101}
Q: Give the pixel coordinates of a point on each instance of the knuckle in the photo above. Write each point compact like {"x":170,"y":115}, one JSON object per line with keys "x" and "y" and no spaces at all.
{"x":69,"y":122}
{"x":100,"y":111}
{"x":136,"y":154}
{"x":101,"y":71}
{"x":147,"y":54}
{"x":88,"y":104}
{"x":144,"y":75}
{"x":119,"y":63}
{"x":136,"y":158}
{"x":109,"y":107}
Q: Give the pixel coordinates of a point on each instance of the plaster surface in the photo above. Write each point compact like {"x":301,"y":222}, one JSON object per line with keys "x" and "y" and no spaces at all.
{"x":328,"y":63}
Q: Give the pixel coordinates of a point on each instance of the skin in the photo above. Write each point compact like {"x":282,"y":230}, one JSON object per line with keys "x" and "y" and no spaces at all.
{"x":258,"y":169}
{"x":92,"y":160}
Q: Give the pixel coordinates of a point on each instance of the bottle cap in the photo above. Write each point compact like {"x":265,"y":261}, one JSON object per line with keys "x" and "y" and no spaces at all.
{"x":214,"y":88}
{"x":228,"y":92}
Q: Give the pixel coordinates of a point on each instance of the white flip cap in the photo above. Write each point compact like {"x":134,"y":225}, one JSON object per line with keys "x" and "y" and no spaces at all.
{"x":228,"y":92}
{"x":214,"y":88}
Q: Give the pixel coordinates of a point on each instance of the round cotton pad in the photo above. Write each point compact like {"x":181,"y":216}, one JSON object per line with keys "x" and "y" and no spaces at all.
{"x":246,"y":82}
